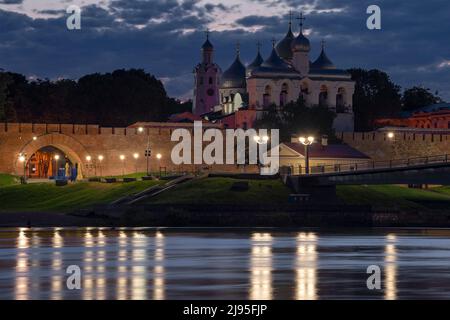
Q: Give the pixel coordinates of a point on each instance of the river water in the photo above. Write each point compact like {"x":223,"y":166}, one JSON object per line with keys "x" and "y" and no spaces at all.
{"x":218,"y":264}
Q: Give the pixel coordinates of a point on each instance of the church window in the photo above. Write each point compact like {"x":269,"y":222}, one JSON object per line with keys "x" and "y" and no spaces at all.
{"x":267,"y":97}
{"x":323,"y":96}
{"x":201,"y":80}
{"x":340,"y":101}
{"x":283,"y":95}
{"x":210,"y":80}
{"x":210,"y":92}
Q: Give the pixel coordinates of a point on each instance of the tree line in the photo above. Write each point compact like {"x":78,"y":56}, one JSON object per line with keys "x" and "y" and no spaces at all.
{"x":119,"y":98}
{"x":377,"y":96}
{"x":123,"y":97}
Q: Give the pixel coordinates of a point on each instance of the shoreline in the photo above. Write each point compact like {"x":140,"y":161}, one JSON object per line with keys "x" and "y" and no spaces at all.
{"x":199,"y":216}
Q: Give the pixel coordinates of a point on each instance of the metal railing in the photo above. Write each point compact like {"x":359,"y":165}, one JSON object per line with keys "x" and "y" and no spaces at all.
{"x":366,"y":165}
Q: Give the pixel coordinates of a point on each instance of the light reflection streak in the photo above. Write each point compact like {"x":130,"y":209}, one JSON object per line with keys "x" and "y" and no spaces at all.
{"x":88,"y":259}
{"x":158,"y":272}
{"x":100,"y":279}
{"x":57,"y":279}
{"x":122,"y":278}
{"x":261,"y":267}
{"x":139,"y":274}
{"x":34,"y":253}
{"x":390,"y":292}
{"x":21,"y":285}
{"x":306,"y":269}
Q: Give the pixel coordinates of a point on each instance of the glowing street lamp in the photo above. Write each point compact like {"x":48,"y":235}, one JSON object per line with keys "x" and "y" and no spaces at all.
{"x":100,"y":159}
{"x":148,"y":151}
{"x":391,"y":135}
{"x":159,"y":157}
{"x":306,"y":142}
{"x":56,"y":157}
{"x":34,"y":138}
{"x":136,"y":157}
{"x":88,"y":165}
{"x":122,"y":158}
{"x":261,"y":140}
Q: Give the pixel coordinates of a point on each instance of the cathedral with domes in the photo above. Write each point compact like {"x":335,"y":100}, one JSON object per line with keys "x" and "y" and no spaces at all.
{"x":245,"y":92}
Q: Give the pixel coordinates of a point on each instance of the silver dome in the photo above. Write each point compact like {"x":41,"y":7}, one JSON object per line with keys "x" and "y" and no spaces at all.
{"x":255,"y":64}
{"x":284,"y":46}
{"x":301,"y":44}
{"x":234,"y":76}
{"x":323,"y":62}
{"x":274,"y":66}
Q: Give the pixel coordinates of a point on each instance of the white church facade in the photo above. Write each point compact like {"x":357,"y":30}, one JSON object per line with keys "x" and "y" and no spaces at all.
{"x":285,"y":76}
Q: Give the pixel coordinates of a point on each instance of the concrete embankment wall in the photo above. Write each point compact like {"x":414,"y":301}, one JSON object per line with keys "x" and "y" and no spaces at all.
{"x":250,"y":216}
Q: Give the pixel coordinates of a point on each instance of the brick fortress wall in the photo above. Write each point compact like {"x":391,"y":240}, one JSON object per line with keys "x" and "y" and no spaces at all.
{"x":403,"y":145}
{"x":80,"y":141}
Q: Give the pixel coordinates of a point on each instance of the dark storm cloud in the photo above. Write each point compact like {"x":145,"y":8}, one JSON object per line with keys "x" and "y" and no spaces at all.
{"x":11,"y":1}
{"x":164,"y":37}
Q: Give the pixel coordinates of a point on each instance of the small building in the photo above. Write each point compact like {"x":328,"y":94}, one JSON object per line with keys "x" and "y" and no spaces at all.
{"x":322,"y":156}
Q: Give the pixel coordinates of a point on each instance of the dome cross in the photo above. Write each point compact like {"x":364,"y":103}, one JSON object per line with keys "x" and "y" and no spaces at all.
{"x":302,"y":19}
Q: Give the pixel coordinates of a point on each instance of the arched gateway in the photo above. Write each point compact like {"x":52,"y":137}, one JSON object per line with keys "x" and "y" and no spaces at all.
{"x":67,"y":147}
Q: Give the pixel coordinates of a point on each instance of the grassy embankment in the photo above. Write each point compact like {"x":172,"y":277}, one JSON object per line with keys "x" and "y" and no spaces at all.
{"x":214,"y":191}
{"x":389,"y":197}
{"x":48,"y":197}
{"x":218,"y":191}
{"x":7,"y":180}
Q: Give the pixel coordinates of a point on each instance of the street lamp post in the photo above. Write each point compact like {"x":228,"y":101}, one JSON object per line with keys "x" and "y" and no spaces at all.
{"x":100,"y":159}
{"x":22,"y":159}
{"x":122,"y":158}
{"x":261,"y":140}
{"x":57,"y":168}
{"x":89,"y":159}
{"x":148,"y":151}
{"x":136,"y":157}
{"x":159,"y":156}
{"x":306,"y":142}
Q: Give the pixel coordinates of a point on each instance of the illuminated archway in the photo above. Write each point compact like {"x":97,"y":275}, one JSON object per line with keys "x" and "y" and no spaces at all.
{"x":71,"y":148}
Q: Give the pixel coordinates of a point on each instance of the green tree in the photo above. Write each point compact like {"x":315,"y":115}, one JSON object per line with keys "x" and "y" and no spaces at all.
{"x":6,"y":107}
{"x":119,"y":98}
{"x":296,"y":118}
{"x":418,"y":97}
{"x":376,"y":96}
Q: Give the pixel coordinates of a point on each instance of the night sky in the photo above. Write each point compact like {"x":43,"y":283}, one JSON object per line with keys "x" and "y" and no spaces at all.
{"x":164,"y":36}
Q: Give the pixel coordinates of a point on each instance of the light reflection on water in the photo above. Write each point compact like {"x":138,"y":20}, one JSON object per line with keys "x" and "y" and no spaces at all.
{"x":306,"y":267}
{"x":167,"y":264}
